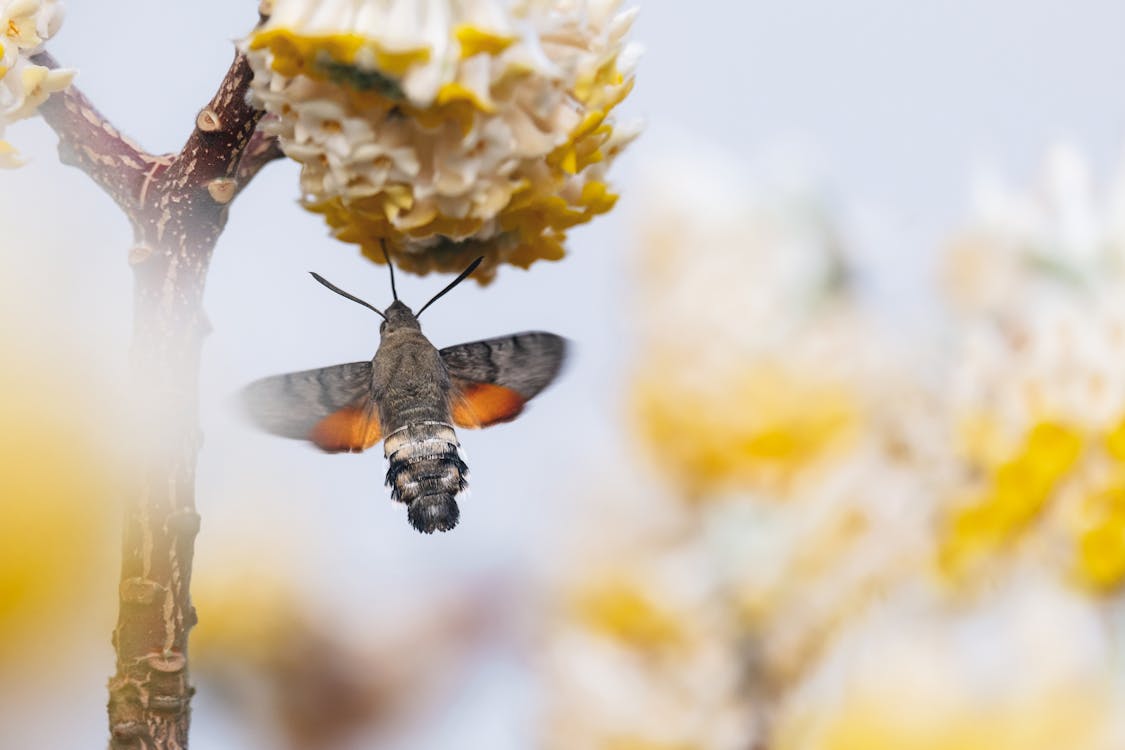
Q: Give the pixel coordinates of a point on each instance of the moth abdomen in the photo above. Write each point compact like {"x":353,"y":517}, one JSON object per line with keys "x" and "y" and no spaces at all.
{"x":426,"y":472}
{"x":430,"y":513}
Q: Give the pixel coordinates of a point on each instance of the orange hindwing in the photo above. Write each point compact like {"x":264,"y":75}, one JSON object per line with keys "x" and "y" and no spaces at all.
{"x":484,"y":404}
{"x":349,"y":430}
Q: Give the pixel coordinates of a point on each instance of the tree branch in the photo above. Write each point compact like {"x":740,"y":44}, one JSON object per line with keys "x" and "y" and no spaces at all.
{"x":178,"y":207}
{"x":89,"y":141}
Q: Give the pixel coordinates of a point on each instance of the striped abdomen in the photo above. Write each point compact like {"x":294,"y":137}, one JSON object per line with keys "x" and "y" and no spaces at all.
{"x":426,"y":472}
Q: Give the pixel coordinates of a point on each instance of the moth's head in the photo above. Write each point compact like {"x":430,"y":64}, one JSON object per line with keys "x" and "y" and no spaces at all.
{"x":397,"y":317}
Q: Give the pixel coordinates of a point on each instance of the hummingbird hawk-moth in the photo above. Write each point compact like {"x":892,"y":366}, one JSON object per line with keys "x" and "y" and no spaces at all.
{"x":410,"y":396}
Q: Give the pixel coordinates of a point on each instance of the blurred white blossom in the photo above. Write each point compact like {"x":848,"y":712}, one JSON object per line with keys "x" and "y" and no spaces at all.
{"x":1029,"y":667}
{"x":883,"y":548}
{"x":1038,"y":389}
{"x":802,"y":462}
{"x":613,"y":683}
{"x":754,"y":361}
{"x":1062,"y":235}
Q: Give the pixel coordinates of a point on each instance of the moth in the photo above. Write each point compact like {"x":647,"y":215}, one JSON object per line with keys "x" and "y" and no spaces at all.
{"x":410,"y":395}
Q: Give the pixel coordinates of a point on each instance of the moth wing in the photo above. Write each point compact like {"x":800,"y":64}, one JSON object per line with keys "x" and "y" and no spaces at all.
{"x":352,"y":429}
{"x":494,"y":378}
{"x":333,"y":407}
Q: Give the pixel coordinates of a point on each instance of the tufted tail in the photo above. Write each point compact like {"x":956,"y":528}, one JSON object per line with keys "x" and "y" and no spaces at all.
{"x":426,"y":472}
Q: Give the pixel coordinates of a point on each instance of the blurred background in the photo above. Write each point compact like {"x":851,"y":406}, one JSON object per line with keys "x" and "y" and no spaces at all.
{"x":838,"y":462}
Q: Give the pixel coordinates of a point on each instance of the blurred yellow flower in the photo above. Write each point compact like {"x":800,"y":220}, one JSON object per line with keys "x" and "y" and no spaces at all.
{"x":624,"y":611}
{"x":752,"y":364}
{"x":1115,"y":441}
{"x":639,"y":661}
{"x":758,"y":428}
{"x":1101,"y":541}
{"x":1076,"y":722}
{"x":1017,"y":491}
{"x":1039,"y":397}
{"x":449,"y":129}
{"x":57,"y":519}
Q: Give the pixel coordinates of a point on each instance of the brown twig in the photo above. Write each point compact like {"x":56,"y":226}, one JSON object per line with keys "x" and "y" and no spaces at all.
{"x":88,"y":140}
{"x":178,"y":206}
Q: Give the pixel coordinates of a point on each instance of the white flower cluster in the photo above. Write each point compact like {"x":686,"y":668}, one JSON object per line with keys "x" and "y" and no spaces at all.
{"x":24,"y":26}
{"x":428,"y":123}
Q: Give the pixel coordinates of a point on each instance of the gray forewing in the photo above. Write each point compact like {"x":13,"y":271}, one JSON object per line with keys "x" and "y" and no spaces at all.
{"x":525,"y":362}
{"x":290,"y":405}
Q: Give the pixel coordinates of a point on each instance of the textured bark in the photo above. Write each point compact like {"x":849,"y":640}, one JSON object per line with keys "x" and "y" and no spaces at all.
{"x":177,"y":205}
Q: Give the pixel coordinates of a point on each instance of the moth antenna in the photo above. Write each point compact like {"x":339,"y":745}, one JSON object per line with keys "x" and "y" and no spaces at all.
{"x":390,"y":266}
{"x":464,"y":275}
{"x":342,"y":293}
